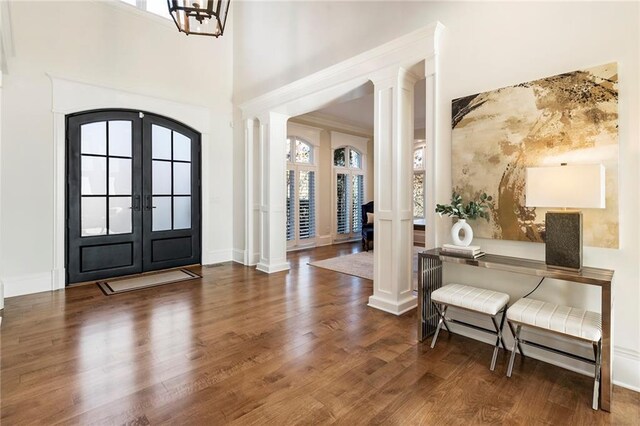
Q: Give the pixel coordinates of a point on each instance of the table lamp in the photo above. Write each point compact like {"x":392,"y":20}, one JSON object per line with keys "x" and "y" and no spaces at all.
{"x":576,"y":187}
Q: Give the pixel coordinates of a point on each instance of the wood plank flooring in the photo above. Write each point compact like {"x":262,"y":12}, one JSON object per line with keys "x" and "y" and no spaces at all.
{"x":242,"y":347}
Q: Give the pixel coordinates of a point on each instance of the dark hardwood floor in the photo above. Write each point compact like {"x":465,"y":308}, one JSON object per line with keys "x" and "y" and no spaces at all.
{"x":243,"y":347}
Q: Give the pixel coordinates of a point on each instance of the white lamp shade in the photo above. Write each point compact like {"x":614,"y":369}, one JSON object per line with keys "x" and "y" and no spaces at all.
{"x":576,"y":186}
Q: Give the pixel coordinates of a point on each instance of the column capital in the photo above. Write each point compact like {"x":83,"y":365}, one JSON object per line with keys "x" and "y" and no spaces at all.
{"x":394,"y":76}
{"x":272,"y":117}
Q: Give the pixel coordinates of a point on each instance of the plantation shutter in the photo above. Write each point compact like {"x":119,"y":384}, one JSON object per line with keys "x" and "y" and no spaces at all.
{"x":342,"y":208}
{"x":306,"y":212}
{"x":291,"y":188}
{"x":357,"y":200}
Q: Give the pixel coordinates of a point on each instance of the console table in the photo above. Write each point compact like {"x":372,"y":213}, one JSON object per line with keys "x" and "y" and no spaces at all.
{"x":430,"y":278}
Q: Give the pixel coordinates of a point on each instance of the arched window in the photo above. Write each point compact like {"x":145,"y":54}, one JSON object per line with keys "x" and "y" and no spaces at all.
{"x":301,"y":193}
{"x":302,"y":151}
{"x":349,"y":188}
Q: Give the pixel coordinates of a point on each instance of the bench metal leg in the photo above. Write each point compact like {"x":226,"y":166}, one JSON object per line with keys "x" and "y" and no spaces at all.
{"x":596,"y":381}
{"x":516,"y":343}
{"x":499,"y":337}
{"x":513,"y":333}
{"x":441,"y":320}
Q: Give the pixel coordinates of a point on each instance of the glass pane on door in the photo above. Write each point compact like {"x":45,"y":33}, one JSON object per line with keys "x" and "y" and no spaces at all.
{"x":119,"y":176}
{"x":161,"y":177}
{"x":119,"y":215}
{"x":181,"y":147}
{"x":93,"y":138}
{"x":181,"y":178}
{"x":181,"y":212}
{"x":93,"y":172}
{"x":160,"y":143}
{"x":161,"y":216}
{"x":120,"y":138}
{"x":93,"y":220}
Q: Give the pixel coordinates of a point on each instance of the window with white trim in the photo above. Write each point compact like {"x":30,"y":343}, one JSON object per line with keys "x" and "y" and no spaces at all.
{"x":419,"y":173}
{"x":157,"y":7}
{"x":348,"y":192}
{"x":301,"y":192}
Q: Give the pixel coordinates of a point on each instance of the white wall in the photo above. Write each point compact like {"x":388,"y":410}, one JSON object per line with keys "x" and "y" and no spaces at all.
{"x":485,"y":46}
{"x":114,"y":46}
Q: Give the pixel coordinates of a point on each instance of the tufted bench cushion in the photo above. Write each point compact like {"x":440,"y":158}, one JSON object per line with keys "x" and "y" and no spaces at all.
{"x":472,"y":298}
{"x":562,"y":319}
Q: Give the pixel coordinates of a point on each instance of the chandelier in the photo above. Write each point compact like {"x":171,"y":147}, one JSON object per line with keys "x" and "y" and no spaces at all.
{"x":201,"y":17}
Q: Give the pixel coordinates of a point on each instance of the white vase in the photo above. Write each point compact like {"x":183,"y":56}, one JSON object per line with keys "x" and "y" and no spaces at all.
{"x":461,"y":224}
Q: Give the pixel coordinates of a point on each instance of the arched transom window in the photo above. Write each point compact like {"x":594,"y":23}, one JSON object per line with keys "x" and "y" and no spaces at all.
{"x":347,"y":157}
{"x":299,"y":151}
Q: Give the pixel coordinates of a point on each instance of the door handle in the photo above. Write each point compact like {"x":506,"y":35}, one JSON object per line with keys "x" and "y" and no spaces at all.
{"x":148,"y":205}
{"x":136,"y":202}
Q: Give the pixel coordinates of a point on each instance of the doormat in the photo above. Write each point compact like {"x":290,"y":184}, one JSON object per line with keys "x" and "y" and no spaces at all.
{"x":140,"y":282}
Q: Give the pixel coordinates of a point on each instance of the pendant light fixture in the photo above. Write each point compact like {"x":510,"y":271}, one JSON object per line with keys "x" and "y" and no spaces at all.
{"x":201,"y":17}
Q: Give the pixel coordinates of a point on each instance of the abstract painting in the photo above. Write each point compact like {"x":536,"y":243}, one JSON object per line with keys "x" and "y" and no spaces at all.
{"x":568,"y":118}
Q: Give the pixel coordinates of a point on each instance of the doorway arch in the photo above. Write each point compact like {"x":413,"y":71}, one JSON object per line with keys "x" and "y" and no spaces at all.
{"x":393,"y":68}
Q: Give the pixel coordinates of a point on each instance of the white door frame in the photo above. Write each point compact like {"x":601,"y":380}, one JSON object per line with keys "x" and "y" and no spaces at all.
{"x":70,"y":97}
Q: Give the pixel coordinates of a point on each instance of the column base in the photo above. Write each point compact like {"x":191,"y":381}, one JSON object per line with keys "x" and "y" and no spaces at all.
{"x":393,"y":307}
{"x":271,"y":268}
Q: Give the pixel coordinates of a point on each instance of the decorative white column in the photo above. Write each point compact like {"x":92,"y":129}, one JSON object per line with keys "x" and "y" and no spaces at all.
{"x":252,"y":191}
{"x":393,"y":171}
{"x":273,"y":239}
{"x":434,"y":164}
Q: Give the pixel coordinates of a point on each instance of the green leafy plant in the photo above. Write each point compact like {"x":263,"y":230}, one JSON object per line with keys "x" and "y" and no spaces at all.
{"x":472,"y":210}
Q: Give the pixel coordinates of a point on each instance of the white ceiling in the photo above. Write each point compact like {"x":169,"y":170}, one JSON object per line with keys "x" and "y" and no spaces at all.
{"x":356,"y":108}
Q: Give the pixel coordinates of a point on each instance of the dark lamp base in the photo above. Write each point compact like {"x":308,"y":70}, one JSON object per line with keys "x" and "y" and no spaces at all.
{"x":564,"y":240}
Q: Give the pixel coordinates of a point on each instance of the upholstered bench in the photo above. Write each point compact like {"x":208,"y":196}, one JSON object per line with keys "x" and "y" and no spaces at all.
{"x":472,"y":299}
{"x":564,"y":320}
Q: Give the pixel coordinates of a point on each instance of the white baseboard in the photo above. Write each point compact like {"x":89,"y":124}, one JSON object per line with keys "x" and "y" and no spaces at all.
{"x":392,"y":307}
{"x":28,"y":284}
{"x":217,"y":256}
{"x":626,"y":362}
{"x":323,"y":240}
{"x":626,"y":368}
{"x":270,"y":269}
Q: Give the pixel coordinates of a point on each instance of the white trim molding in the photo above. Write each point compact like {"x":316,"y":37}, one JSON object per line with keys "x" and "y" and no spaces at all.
{"x":627,"y":364}
{"x":626,"y":361}
{"x":327,"y":121}
{"x":217,"y":256}
{"x":410,"y":57}
{"x":28,"y":284}
{"x":71,"y":97}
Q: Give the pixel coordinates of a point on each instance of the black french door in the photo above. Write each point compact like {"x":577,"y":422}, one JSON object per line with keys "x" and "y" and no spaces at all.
{"x":133,"y":194}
